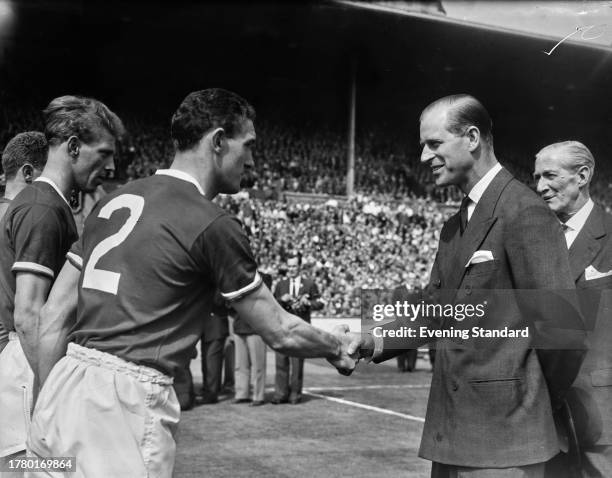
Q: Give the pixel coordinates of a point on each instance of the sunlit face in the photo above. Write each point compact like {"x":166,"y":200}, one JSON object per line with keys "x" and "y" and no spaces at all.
{"x":293,"y":267}
{"x":557,"y":182}
{"x":237,"y":157}
{"x":446,"y":153}
{"x":94,"y":159}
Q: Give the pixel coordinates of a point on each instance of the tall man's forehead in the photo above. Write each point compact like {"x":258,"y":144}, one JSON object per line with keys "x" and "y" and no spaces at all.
{"x":292,"y":261}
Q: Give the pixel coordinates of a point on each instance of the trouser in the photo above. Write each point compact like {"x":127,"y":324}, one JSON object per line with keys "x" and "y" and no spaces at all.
{"x":228,"y":365}
{"x":406,"y":361}
{"x":116,"y":418}
{"x":16,"y":384}
{"x":289,"y":377}
{"x":250,"y":366}
{"x":212,"y":366}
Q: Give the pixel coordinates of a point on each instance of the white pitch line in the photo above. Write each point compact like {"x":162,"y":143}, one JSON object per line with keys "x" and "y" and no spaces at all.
{"x":366,"y":407}
{"x":365,"y":387}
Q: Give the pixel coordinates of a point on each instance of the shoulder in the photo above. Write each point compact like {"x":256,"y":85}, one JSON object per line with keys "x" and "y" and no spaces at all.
{"x":518,"y":201}
{"x":604,"y":217}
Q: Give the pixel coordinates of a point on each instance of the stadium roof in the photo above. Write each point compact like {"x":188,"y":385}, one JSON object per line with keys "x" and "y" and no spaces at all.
{"x":585,"y":23}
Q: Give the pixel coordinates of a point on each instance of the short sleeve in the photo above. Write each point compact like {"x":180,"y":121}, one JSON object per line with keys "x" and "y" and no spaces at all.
{"x":75,"y":254}
{"x":224,"y":253}
{"x":37,"y":234}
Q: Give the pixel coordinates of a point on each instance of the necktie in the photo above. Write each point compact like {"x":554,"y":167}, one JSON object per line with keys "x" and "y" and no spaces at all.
{"x":566,"y":229}
{"x":292,"y":288}
{"x":463,"y":211}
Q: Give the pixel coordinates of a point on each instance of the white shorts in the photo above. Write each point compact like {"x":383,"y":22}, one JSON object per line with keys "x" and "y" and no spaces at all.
{"x":16,"y":384}
{"x":116,"y":418}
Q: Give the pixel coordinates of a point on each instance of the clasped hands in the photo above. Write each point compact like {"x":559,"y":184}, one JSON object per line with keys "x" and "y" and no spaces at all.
{"x":354,"y":346}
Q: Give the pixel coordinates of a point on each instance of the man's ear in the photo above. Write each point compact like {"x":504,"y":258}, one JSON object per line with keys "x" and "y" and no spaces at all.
{"x":74,"y":147}
{"x":218,"y":137}
{"x":473,"y":136}
{"x":584,"y":175}
{"x":27,"y":171}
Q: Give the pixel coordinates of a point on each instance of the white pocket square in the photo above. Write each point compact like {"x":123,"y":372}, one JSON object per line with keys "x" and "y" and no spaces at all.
{"x":590,"y":273}
{"x":480,"y":256}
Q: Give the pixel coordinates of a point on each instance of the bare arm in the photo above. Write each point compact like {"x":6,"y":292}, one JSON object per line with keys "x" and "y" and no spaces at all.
{"x":30,"y":295}
{"x":289,"y":334}
{"x":56,"y":319}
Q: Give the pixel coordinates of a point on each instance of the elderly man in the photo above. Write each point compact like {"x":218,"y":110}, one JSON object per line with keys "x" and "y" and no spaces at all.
{"x":489,"y":412}
{"x":563,"y":173}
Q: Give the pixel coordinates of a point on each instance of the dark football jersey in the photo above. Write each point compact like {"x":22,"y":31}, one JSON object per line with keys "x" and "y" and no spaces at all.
{"x":35,"y":233}
{"x":4,"y":204}
{"x":152,"y":255}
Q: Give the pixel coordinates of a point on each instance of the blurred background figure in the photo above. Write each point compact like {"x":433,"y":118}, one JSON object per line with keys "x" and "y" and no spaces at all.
{"x":216,"y":331}
{"x":298,"y":295}
{"x":250,"y":359}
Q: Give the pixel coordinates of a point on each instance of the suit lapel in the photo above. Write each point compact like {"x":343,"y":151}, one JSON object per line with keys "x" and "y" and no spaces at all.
{"x":478,"y":226}
{"x":588,"y":243}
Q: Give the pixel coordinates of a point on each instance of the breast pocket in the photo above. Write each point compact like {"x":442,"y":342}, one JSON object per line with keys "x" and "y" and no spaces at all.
{"x":483,"y":268}
{"x":602,"y":283}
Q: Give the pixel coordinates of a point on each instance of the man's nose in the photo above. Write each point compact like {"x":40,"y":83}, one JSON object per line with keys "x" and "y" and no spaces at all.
{"x":427,"y":154}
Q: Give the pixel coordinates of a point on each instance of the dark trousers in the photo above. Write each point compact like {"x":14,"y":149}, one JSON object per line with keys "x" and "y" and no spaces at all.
{"x":228,"y":366}
{"x":406,"y":362}
{"x":289,"y":377}
{"x":183,"y":386}
{"x":212,"y":365}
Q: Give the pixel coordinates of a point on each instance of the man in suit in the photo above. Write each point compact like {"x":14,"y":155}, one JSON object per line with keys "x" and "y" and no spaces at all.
{"x":298,"y":295}
{"x":489,"y":412}
{"x":563,"y":173}
{"x":406,"y":361}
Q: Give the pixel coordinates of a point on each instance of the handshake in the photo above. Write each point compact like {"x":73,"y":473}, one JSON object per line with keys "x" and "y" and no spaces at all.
{"x":353,"y":347}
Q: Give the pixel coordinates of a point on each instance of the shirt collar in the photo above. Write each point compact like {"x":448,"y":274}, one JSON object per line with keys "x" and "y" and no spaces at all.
{"x":481,"y":186}
{"x":51,"y":183}
{"x":577,"y":221}
{"x":175,"y":173}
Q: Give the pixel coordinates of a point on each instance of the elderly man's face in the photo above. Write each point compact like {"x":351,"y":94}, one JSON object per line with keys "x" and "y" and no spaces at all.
{"x":557,"y":182}
{"x":446,"y":154}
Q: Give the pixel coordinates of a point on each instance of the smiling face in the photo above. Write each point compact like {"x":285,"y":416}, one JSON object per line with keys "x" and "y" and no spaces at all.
{"x":93,"y":160}
{"x":446,"y":153}
{"x":237,"y":156}
{"x":293,"y":267}
{"x":558,"y":183}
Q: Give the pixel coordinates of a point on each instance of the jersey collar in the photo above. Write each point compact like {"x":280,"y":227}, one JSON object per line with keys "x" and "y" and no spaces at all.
{"x":175,"y":173}
{"x":51,"y":183}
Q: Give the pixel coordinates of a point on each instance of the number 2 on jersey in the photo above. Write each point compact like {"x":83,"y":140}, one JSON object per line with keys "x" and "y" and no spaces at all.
{"x":100,"y":279}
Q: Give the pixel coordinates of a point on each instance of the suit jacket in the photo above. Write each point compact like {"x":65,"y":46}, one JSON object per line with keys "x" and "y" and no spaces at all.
{"x":489,"y":404}
{"x":590,"y":398}
{"x":307,"y":287}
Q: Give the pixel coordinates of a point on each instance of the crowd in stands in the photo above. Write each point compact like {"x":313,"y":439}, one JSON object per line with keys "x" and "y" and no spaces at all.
{"x":383,"y":237}
{"x":345,"y":246}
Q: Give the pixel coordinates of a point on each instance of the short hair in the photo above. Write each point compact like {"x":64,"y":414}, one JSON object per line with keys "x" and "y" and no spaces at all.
{"x":29,"y":147}
{"x":204,"y":110}
{"x":79,"y":116}
{"x":575,"y":154}
{"x":464,"y":111}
